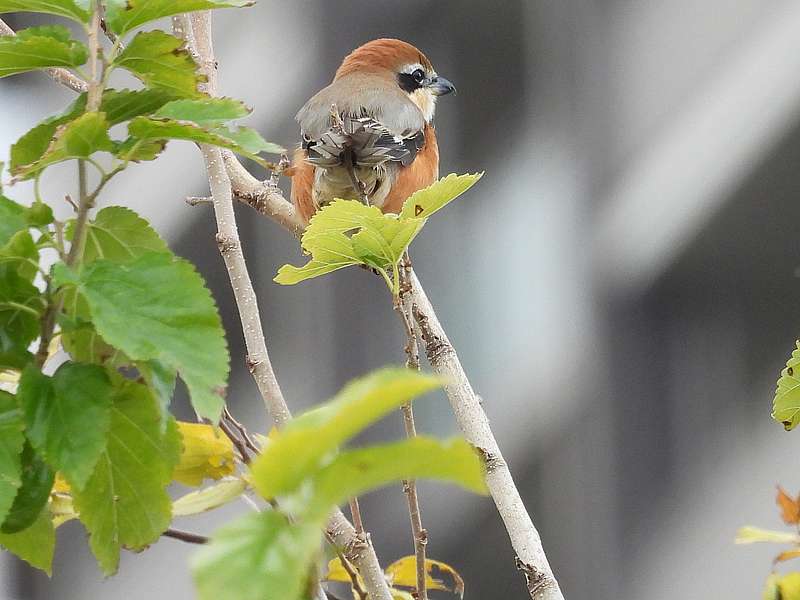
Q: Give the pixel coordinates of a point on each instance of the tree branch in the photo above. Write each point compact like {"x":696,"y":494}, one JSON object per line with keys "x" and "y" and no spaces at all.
{"x":59,"y":75}
{"x":357,"y":548}
{"x":466,"y":405}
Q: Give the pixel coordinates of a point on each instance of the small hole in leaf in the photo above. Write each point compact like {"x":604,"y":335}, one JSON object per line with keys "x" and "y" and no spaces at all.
{"x":417,"y":210}
{"x":790,"y":370}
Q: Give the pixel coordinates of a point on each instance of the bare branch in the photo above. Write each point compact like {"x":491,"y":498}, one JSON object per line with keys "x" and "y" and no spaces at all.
{"x":62,"y":76}
{"x":265,"y":197}
{"x":357,"y":548}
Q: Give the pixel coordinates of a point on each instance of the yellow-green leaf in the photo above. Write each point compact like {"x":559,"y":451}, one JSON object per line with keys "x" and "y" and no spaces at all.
{"x":425,"y":202}
{"x":750,"y":535}
{"x":299,"y":449}
{"x":35,"y":544}
{"x":347,"y":232}
{"x":354,"y":472}
{"x":786,"y":404}
{"x":207,"y":454}
{"x":209,"y":498}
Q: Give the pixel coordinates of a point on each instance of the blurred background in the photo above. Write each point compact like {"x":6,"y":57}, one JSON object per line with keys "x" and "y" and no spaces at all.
{"x":621,"y":286}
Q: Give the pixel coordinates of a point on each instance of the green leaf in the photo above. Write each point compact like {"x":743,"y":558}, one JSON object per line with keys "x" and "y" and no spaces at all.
{"x":63,"y":8}
{"x":157,"y":307}
{"x":39,"y":48}
{"x":20,"y":309}
{"x":118,"y":234}
{"x":257,"y":557}
{"x":12,"y":219}
{"x":20,"y":254}
{"x":123,"y":105}
{"x":33,"y":144}
{"x":161,"y":381}
{"x":424,"y":203}
{"x":249,"y":141}
{"x":162,"y":62}
{"x":11,"y":441}
{"x":37,"y":481}
{"x":145,"y":128}
{"x":79,"y":138}
{"x":299,"y":449}
{"x":209,"y":498}
{"x":134,"y":150}
{"x":354,"y":472}
{"x":35,"y":544}
{"x":786,"y":404}
{"x":67,"y":417}
{"x":347,"y":232}
{"x":204,"y":111}
{"x":124,"y":15}
{"x":125,"y":503}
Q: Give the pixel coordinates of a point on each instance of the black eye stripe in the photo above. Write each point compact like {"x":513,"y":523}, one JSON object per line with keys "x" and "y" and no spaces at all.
{"x":411,"y":81}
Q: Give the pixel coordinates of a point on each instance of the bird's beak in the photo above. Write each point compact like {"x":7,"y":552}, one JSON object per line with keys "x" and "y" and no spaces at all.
{"x":440,"y":86}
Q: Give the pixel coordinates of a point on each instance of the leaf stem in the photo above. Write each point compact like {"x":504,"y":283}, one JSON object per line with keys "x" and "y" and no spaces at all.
{"x":185,"y":536}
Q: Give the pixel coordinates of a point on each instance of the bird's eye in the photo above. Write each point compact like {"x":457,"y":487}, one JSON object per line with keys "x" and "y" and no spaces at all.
{"x":418,"y":75}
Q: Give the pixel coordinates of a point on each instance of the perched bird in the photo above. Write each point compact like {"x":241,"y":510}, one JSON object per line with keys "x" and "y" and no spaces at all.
{"x":369,"y":135}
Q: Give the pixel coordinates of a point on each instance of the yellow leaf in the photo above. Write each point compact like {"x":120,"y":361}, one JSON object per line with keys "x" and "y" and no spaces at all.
{"x":404,"y":572}
{"x":60,"y":485}
{"x":336,"y":571}
{"x":789,"y":586}
{"x":61,"y":508}
{"x":400,"y":595}
{"x":207,"y":454}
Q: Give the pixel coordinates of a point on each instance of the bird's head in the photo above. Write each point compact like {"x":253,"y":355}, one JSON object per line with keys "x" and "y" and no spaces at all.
{"x":406,"y":66}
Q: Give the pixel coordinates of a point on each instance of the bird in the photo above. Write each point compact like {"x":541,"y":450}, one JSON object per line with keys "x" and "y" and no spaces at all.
{"x":369,"y":135}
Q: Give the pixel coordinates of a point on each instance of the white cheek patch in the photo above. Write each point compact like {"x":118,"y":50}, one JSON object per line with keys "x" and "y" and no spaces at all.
{"x":425,"y":101}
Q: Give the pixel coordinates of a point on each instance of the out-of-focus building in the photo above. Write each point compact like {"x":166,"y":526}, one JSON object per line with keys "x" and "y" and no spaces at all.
{"x":621,"y":286}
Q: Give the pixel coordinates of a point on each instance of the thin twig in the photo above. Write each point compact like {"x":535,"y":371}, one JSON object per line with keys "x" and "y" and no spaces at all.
{"x":466,"y":405}
{"x":185,"y":536}
{"x":355,"y":513}
{"x":236,"y":441}
{"x":59,"y":75}
{"x":411,"y":348}
{"x":248,"y":441}
{"x":356,"y":547}
{"x":197,"y":200}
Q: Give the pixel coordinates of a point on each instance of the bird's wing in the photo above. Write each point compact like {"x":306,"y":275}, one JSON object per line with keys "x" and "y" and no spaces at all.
{"x":365,"y":114}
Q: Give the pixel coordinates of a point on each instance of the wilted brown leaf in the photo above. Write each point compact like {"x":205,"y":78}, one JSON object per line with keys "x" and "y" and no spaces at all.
{"x":790,"y":507}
